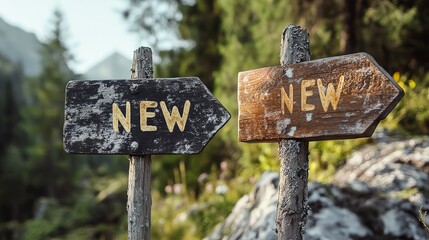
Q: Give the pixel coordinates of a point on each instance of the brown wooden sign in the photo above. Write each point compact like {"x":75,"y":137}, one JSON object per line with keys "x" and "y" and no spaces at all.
{"x":331,"y":98}
{"x":143,"y":116}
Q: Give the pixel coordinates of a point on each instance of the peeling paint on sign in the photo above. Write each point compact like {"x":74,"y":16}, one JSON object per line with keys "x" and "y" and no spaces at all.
{"x":143,"y":116}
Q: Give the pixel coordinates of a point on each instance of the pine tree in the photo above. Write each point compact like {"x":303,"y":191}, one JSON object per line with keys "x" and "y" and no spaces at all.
{"x":12,"y":139}
{"x":44,"y":117}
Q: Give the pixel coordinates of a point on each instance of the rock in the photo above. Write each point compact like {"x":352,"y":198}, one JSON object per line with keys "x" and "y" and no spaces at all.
{"x":377,"y":194}
{"x":328,"y":220}
{"x":395,"y":166}
{"x":400,"y":224}
{"x":336,"y":223}
{"x":253,"y":217}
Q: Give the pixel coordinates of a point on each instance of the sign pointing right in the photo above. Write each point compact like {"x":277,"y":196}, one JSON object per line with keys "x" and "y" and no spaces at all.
{"x":331,"y":98}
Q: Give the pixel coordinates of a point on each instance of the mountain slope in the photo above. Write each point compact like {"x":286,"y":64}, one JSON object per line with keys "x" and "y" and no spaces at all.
{"x":21,"y":47}
{"x":115,"y":66}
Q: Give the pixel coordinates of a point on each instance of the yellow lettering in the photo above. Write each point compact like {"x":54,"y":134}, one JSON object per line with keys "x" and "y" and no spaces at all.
{"x":144,"y":115}
{"x":304,"y":94}
{"x":287,"y":100}
{"x":118,"y":116}
{"x":174,"y":117}
{"x":331,"y":95}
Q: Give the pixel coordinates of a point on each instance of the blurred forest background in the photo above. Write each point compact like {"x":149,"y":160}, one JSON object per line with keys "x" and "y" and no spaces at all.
{"x":48,"y":194}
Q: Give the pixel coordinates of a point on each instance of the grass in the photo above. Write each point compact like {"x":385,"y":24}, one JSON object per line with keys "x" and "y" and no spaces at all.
{"x":422,"y":218}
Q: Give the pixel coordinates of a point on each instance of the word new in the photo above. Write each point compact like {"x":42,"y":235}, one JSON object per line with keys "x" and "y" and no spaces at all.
{"x":331,"y":96}
{"x":171,"y":119}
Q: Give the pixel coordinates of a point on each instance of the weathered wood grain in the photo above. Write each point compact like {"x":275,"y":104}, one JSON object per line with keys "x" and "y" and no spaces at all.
{"x":89,"y":124}
{"x":291,"y":215}
{"x":360,"y":94}
{"x":139,"y":202}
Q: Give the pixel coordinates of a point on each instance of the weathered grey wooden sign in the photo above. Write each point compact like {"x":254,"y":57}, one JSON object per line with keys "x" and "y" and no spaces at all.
{"x":331,"y":98}
{"x":143,"y":116}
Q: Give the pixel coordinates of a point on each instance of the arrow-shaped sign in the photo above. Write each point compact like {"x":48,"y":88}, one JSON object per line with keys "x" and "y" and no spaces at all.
{"x":143,"y":116}
{"x":331,"y":98}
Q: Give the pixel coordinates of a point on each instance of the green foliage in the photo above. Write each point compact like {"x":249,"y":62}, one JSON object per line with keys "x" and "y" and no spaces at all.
{"x":393,"y":33}
{"x":412,"y":114}
{"x":395,"y":19}
{"x":250,"y":27}
{"x":10,"y":101}
{"x":211,"y":212}
{"x":250,"y":38}
{"x":165,"y":222}
{"x":50,"y":193}
{"x":327,"y":156}
{"x":182,"y":215}
{"x":44,"y":117}
{"x":55,"y":218}
{"x":87,"y":216}
{"x":59,"y":196}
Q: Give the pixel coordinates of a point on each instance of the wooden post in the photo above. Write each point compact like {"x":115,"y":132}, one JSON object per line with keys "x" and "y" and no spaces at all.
{"x":139,"y":176}
{"x":293,"y":191}
{"x":99,"y":119}
{"x":292,"y":104}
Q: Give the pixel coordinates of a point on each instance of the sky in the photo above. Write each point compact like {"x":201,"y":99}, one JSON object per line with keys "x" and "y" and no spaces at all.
{"x":94,"y":28}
